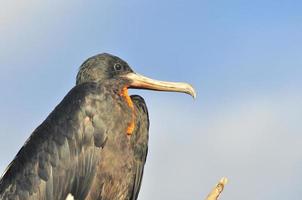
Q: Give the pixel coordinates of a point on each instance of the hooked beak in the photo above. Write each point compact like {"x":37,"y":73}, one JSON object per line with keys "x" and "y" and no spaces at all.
{"x":141,"y":82}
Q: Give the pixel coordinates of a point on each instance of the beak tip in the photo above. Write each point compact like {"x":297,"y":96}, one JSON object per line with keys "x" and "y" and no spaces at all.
{"x":192,"y":92}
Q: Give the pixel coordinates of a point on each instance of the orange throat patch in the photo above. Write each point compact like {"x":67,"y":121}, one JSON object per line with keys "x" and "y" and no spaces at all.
{"x":127,"y":98}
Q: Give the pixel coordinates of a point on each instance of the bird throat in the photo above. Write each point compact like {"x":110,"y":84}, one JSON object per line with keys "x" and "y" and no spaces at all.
{"x":131,"y":124}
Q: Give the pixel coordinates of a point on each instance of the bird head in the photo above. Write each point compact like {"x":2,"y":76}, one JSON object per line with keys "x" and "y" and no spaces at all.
{"x":106,"y":66}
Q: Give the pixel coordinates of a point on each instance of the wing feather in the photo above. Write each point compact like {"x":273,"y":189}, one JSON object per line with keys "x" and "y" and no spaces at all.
{"x":45,"y":167}
{"x":140,"y":143}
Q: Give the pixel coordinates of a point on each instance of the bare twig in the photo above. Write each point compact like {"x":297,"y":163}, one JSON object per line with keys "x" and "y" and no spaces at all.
{"x":215,"y":193}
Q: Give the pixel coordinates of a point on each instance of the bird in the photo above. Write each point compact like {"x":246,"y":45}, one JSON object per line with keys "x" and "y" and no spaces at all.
{"x":94,"y":144}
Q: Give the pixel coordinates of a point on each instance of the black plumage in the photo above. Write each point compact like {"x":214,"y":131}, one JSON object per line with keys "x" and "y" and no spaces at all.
{"x":94,"y":144}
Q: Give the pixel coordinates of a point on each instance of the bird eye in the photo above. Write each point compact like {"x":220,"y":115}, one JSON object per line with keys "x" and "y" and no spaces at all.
{"x":118,"y":67}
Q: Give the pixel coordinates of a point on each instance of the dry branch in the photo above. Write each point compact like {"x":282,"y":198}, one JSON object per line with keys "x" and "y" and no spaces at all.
{"x":215,"y":193}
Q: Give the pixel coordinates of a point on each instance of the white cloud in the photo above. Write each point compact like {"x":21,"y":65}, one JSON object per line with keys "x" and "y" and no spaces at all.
{"x":255,"y":142}
{"x":12,"y":11}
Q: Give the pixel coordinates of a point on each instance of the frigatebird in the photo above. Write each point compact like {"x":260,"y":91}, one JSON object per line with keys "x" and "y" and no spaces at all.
{"x":94,"y":144}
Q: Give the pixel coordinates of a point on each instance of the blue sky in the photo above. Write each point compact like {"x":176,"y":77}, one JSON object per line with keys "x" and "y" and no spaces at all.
{"x":243,"y":57}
